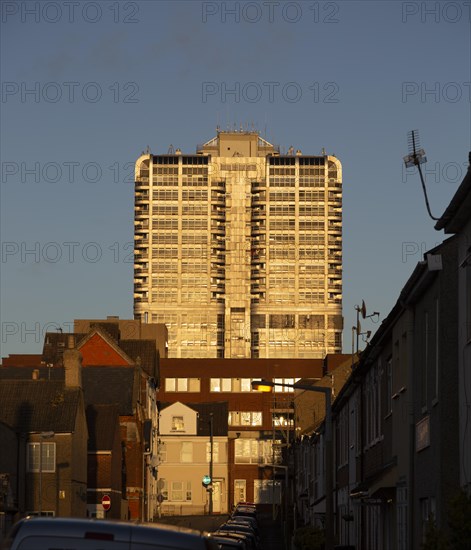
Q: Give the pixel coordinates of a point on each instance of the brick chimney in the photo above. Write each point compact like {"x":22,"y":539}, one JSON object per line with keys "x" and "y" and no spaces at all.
{"x":72,"y":365}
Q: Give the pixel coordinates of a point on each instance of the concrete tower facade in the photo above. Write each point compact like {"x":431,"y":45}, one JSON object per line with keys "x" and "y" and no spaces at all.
{"x":238,"y":249}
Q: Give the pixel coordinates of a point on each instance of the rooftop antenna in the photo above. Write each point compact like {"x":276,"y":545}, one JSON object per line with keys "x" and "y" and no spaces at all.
{"x":362,"y":310}
{"x":416,"y":157}
{"x":171,"y":150}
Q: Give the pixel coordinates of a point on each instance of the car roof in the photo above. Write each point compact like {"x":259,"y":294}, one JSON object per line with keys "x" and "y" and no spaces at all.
{"x":229,"y":541}
{"x":246,"y":529}
{"x":169,"y":535}
{"x":249,"y":519}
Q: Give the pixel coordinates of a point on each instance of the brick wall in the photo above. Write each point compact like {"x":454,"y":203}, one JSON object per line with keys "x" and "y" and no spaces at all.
{"x":97,"y":352}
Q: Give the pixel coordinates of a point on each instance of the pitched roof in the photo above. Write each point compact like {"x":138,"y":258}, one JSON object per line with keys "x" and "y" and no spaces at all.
{"x":101,"y":385}
{"x":110,"y":385}
{"x":38,"y":405}
{"x":112,"y":329}
{"x":456,"y":214}
{"x":91,"y":341}
{"x":146,"y":351}
{"x":55,"y":343}
{"x":220,"y":411}
{"x":102,"y":422}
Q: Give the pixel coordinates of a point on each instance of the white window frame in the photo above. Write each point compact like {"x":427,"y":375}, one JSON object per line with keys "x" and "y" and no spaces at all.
{"x":186,"y":452}
{"x":33,"y":462}
{"x":176,"y":490}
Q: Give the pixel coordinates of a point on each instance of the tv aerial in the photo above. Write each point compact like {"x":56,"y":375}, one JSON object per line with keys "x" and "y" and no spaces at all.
{"x":416,"y":157}
{"x":361,"y":310}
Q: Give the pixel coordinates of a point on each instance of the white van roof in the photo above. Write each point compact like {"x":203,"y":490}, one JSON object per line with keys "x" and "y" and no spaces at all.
{"x":154,"y":534}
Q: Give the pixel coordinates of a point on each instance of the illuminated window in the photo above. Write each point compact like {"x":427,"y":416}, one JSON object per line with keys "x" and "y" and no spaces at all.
{"x":249,"y":418}
{"x":221,"y":384}
{"x":182,"y":384}
{"x":240,"y":490}
{"x":178,"y":425}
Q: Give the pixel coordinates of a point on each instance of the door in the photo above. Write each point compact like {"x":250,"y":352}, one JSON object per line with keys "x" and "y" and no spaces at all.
{"x":217,"y":497}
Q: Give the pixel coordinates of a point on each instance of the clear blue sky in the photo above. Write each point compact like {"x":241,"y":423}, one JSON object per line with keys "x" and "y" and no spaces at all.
{"x":87,"y":86}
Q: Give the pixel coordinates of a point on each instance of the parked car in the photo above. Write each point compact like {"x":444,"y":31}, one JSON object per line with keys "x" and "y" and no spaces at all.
{"x":38,"y":533}
{"x":249,"y":540}
{"x":244,"y":529}
{"x":247,"y":519}
{"x":229,"y":543}
{"x":242,"y":520}
{"x":245,"y":511}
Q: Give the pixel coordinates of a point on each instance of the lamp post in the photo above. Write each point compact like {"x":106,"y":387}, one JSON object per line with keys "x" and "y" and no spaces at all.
{"x":267,"y":386}
{"x":211,"y":443}
{"x":208,"y":479}
{"x":42,"y":436}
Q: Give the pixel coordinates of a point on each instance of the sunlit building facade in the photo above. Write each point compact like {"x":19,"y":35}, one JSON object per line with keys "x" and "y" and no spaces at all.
{"x":238,"y":249}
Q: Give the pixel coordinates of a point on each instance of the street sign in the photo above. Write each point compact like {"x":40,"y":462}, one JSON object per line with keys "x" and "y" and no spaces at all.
{"x":106,"y":502}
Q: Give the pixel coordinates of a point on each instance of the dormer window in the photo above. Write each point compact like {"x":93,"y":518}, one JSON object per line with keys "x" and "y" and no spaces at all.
{"x":178,"y":424}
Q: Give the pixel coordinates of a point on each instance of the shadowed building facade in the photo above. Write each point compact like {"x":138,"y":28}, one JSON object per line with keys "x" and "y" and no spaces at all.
{"x":238,"y":249}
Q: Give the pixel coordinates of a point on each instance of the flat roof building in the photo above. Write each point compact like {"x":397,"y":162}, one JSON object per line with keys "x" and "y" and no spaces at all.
{"x":238,"y":249}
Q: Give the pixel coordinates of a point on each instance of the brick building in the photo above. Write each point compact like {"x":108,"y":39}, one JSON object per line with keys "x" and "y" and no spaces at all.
{"x":259,"y":425}
{"x":117,"y":372}
{"x":47,"y":417}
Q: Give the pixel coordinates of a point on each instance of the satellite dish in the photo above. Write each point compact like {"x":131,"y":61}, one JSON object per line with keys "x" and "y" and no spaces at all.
{"x":363,"y":309}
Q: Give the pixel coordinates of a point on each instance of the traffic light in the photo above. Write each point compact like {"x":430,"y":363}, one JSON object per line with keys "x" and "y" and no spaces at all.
{"x":206,"y":482}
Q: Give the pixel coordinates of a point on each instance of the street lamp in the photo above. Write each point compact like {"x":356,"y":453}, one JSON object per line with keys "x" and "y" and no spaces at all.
{"x":208,"y":480}
{"x":42,"y":436}
{"x":267,"y":387}
{"x":211,"y":445}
